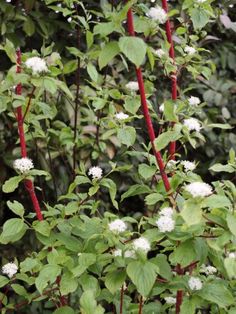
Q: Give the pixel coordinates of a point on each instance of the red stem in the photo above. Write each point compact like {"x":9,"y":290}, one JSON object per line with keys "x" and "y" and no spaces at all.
{"x":121,"y":299}
{"x":146,"y":113}
{"x":140,"y":310}
{"x":20,"y":120}
{"x":180,"y":293}
{"x":174,"y":94}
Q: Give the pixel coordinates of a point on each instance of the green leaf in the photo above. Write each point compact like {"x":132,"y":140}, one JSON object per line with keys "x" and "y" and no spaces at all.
{"x":164,"y":267}
{"x":68,"y":283}
{"x":127,"y":135}
{"x":188,"y":306}
{"x":169,"y":111}
{"x":225,"y":126}
{"x":231,"y":222}
{"x":218,"y":293}
{"x":223,"y":168}
{"x":50,"y":85}
{"x":16,"y":207}
{"x":169,"y":136}
{"x":132,"y":105}
{"x":217,"y":201}
{"x":146,"y":171}
{"x":199,"y":17}
{"x":143,"y":275}
{"x":115,"y":280}
{"x":19,"y":290}
{"x":3,"y":281}
{"x":48,"y":274}
{"x":10,"y":50}
{"x":92,"y":72}
{"x":184,"y":254}
{"x":191,"y":212}
{"x":134,"y":49}
{"x":112,"y":190}
{"x":70,"y":66}
{"x":11,"y":184}
{"x":109,"y":51}
{"x":28,"y":26}
{"x":13,"y":230}
{"x":64,"y":310}
{"x":89,"y":305}
{"x":230,"y":267}
{"x":153,"y":198}
{"x":42,"y":227}
{"x":136,"y":189}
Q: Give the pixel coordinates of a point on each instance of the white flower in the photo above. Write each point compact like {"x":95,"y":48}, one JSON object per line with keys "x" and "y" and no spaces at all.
{"x":165,"y":224}
{"x":167,"y":211}
{"x":132,"y":85}
{"x":69,"y":19}
{"x":192,"y":124}
{"x":95,"y":172}
{"x":188,"y":165}
{"x":161,"y":107}
{"x":195,"y":283}
{"x":10,"y":269}
{"x":171,"y":165}
{"x":201,"y":1}
{"x":23,"y":165}
{"x":208,"y":270}
{"x":170,"y":300}
{"x":232,"y":255}
{"x":197,"y":189}
{"x":160,"y":53}
{"x":117,"y":252}
{"x":130,"y":254}
{"x":190,"y":50}
{"x":121,"y":116}
{"x":117,"y":226}
{"x":194,"y":101}
{"x":37,"y":65}
{"x":157,"y":14}
{"x":141,"y":244}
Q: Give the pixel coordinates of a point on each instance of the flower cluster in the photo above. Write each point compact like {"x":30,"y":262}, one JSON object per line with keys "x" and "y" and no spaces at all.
{"x":188,"y":165}
{"x":10,"y":269}
{"x":23,"y":165}
{"x":130,"y":254}
{"x":160,"y":53}
{"x":121,"y":116}
{"x":170,"y":300}
{"x":36,"y":65}
{"x":194,"y":101}
{"x":141,"y":244}
{"x":132,"y":85}
{"x":192,"y":124}
{"x":157,"y":14}
{"x":189,"y":50}
{"x":195,"y":283}
{"x":166,"y":223}
{"x":199,"y":189}
{"x":117,"y":226}
{"x":208,"y":270}
{"x":95,"y":172}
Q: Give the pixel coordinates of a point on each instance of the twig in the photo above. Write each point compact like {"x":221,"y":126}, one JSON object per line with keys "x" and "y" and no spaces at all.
{"x":121,"y":299}
{"x":140,"y":309}
{"x":29,"y":103}
{"x":20,"y":120}
{"x":145,"y":109}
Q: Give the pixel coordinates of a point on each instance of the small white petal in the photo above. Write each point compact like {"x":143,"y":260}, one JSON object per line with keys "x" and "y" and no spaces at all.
{"x":122,"y":116}
{"x":170,"y":300}
{"x":189,"y":50}
{"x":117,"y":252}
{"x":167,"y":211}
{"x":188,"y":165}
{"x":165,"y":224}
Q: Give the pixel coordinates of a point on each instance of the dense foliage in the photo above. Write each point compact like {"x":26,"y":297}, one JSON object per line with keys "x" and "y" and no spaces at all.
{"x":90,"y":224}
